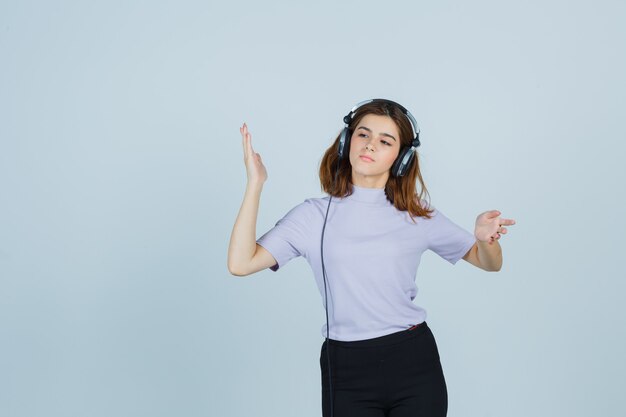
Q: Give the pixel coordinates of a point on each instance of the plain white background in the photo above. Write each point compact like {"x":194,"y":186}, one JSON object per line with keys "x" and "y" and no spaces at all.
{"x":121,"y":175}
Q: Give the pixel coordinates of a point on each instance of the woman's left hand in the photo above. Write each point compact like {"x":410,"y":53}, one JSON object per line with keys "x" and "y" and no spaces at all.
{"x":489,"y":226}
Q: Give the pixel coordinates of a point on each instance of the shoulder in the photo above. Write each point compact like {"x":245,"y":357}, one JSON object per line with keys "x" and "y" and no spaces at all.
{"x":437,"y":219}
{"x":314,"y":203}
{"x":304,"y":211}
{"x":312,"y":208}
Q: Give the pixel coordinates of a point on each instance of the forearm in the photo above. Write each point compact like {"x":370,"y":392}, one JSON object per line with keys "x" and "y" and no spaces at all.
{"x":489,"y":256}
{"x":242,"y":245}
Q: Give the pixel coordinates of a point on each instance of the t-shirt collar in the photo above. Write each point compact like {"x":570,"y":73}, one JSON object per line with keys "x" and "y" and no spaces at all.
{"x":368,"y":195}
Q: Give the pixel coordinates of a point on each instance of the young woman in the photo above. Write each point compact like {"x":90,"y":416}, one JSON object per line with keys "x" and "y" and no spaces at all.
{"x":380,"y":357}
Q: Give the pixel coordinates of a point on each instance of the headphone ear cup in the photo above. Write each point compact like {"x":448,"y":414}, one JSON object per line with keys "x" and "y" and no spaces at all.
{"x":344,"y":143}
{"x":398,"y":170}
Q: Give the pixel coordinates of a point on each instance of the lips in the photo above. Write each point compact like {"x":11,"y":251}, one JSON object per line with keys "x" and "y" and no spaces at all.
{"x":366,"y":158}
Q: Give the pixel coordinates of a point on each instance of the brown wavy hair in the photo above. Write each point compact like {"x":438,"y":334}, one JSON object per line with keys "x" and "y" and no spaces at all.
{"x":400,"y":191}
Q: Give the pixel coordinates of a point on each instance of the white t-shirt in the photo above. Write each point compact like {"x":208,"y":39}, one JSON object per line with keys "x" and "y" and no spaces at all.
{"x":371,"y":254}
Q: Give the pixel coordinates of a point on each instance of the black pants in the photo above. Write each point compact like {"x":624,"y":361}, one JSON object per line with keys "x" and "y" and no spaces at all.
{"x":396,"y":375}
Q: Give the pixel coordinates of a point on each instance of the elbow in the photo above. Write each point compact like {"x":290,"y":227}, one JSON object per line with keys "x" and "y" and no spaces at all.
{"x":235,"y":271}
{"x":234,"y":266}
{"x":490,"y":268}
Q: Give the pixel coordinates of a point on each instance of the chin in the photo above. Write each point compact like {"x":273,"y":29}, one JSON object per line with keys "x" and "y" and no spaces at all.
{"x":369,"y":173}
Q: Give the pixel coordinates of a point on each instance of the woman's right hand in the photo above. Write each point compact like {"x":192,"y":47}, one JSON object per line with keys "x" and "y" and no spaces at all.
{"x":254,"y":165}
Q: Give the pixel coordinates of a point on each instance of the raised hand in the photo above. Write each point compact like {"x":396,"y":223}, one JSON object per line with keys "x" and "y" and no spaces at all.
{"x":489,"y":226}
{"x":254,"y":165}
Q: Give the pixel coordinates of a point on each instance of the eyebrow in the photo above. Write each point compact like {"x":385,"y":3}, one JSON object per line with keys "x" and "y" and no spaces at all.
{"x":370,"y":130}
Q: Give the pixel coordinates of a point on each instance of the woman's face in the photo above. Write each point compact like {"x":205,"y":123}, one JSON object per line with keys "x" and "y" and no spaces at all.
{"x":378,"y":138}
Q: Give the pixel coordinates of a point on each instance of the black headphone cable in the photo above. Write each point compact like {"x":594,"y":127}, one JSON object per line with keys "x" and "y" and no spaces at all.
{"x":330,"y":385}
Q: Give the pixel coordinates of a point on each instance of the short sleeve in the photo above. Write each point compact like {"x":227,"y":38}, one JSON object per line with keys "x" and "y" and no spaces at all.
{"x":288,"y":238}
{"x":447,"y":239}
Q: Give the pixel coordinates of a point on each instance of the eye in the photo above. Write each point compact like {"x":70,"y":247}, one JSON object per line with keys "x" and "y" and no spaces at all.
{"x":362,"y":134}
{"x":386,"y":143}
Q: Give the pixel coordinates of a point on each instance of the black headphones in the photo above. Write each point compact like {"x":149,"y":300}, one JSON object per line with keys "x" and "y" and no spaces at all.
{"x":406,"y":155}
{"x":399,"y":168}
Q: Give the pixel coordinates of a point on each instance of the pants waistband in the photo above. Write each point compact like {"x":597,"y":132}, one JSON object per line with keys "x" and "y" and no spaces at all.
{"x":385,"y":340}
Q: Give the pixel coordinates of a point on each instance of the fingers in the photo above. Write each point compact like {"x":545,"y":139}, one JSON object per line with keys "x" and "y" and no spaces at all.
{"x":250,"y":149}
{"x":246,"y":140}
{"x":495,"y":213}
{"x":242,"y":130}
